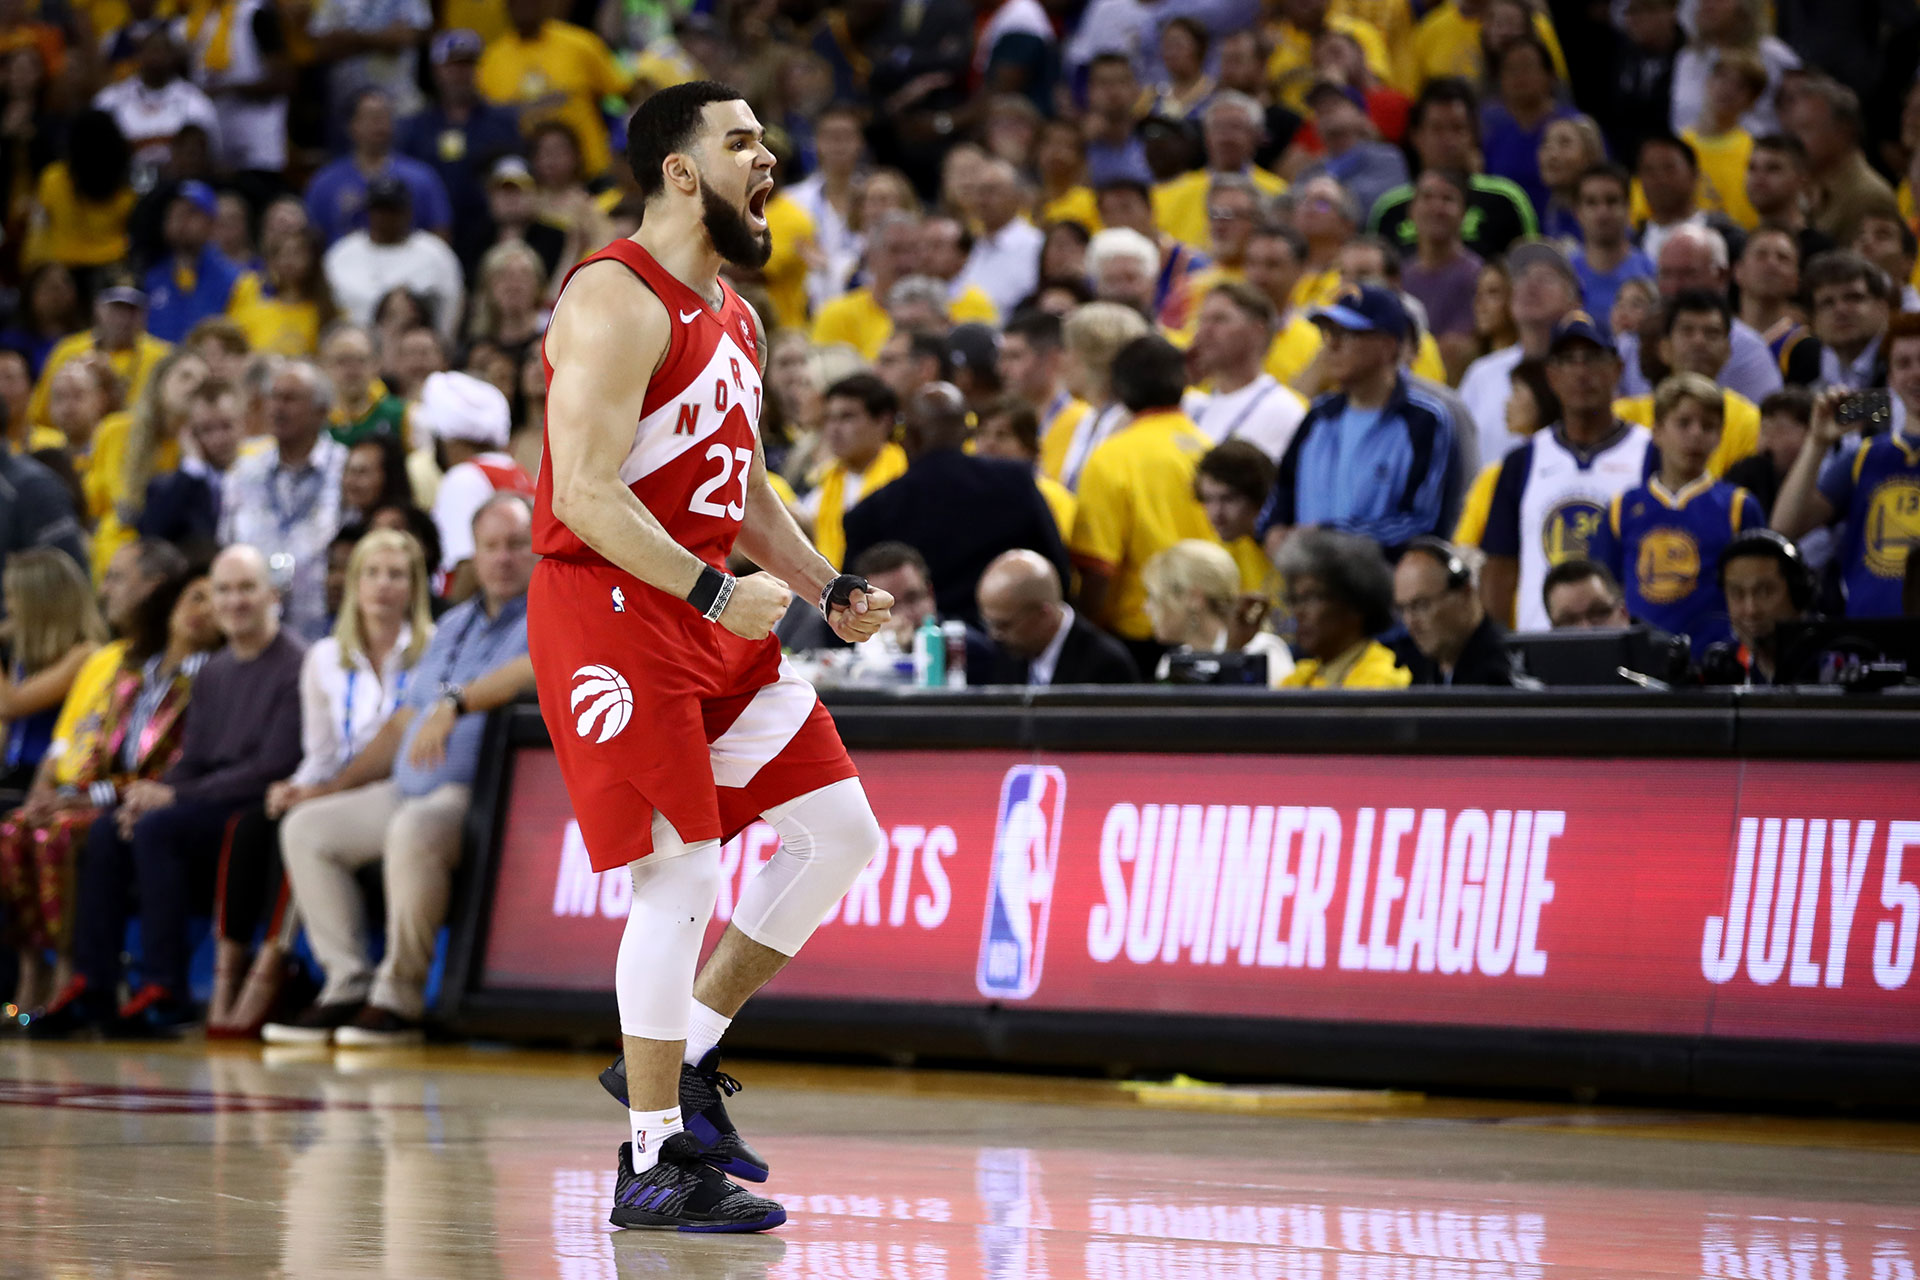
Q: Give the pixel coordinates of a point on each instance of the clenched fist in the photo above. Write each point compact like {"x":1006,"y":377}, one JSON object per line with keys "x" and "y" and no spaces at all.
{"x":758,"y":603}
{"x":862,"y":616}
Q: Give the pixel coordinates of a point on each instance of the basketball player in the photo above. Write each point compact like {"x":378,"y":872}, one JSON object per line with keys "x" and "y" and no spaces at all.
{"x":673,"y":716}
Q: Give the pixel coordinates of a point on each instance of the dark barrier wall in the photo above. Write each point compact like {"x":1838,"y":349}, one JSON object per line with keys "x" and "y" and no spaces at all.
{"x":1627,"y":891}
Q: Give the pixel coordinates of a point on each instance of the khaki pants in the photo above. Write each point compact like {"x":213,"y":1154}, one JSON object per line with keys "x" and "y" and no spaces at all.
{"x":417,"y":842}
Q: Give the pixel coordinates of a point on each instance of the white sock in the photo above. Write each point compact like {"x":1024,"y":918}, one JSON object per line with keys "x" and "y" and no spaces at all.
{"x":650,"y":1129}
{"x":704,"y":1029}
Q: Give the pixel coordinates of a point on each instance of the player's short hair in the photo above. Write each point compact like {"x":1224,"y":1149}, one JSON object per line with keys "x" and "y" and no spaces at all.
{"x":1149,"y":373}
{"x":1579,"y":569}
{"x":885,"y":557}
{"x":1241,"y":466}
{"x":873,"y":395}
{"x":666,"y":123}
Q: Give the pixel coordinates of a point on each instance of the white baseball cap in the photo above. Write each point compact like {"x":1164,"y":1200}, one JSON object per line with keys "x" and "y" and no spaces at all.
{"x":459,"y":406}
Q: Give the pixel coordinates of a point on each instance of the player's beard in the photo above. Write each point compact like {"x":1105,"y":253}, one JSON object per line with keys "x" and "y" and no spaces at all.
{"x":732,"y":237}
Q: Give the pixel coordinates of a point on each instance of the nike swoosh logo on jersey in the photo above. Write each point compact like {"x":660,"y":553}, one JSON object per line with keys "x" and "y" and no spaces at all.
{"x":688,"y":317}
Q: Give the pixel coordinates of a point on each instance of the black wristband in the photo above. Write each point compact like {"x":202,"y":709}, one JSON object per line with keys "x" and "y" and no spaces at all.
{"x":711,"y":593}
{"x":839,"y":593}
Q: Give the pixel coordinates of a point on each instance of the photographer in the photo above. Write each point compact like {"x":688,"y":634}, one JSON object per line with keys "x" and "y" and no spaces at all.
{"x":1869,"y":481}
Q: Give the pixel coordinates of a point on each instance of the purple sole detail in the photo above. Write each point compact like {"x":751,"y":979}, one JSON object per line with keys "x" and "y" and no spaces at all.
{"x":768,"y":1223}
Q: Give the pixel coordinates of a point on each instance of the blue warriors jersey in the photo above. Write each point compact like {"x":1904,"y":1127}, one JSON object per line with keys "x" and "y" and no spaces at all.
{"x":1665,"y":549}
{"x":1875,"y":488}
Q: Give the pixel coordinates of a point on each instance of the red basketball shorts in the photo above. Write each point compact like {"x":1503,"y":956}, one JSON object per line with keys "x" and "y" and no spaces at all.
{"x":652,"y":707}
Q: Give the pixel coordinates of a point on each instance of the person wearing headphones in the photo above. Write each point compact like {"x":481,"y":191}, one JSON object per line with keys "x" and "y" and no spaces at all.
{"x":1766,"y":583}
{"x":1450,"y":638}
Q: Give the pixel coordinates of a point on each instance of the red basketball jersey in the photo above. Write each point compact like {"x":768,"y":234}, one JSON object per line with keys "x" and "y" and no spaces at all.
{"x":693,"y":445}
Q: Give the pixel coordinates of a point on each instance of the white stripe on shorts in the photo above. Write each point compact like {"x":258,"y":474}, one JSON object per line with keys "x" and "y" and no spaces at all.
{"x":763,"y":730}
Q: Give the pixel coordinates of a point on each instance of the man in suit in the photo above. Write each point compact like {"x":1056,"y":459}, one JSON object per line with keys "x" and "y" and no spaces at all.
{"x":183,"y":507}
{"x":958,"y":511}
{"x":1039,"y":639}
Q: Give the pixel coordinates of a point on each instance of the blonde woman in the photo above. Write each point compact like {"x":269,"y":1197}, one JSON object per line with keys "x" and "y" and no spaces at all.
{"x":131,"y":448}
{"x":1091,"y":337}
{"x":56,"y":626}
{"x":507,"y":308}
{"x":350,"y":683}
{"x":1569,"y":147}
{"x":1195,"y":605}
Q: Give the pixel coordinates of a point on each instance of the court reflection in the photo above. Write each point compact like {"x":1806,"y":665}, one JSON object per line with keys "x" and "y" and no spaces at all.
{"x":199,"y":1166}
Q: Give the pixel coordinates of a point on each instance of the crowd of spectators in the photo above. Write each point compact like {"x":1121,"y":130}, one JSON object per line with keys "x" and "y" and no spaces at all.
{"x":1315,"y":342}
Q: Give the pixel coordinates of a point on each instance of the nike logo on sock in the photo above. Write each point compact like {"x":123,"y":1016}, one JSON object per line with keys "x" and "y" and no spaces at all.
{"x":688,"y":317}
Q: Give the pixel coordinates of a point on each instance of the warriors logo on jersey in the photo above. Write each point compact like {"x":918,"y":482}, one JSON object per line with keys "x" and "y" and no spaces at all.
{"x":1893,"y":526}
{"x":1568,"y":529}
{"x":1551,"y":500}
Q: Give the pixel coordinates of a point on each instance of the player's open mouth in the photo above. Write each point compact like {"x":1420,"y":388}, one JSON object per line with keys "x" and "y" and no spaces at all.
{"x":757,"y":205}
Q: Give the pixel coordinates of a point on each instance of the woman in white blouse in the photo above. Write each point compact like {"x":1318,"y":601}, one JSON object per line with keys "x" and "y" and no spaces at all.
{"x":350,"y":683}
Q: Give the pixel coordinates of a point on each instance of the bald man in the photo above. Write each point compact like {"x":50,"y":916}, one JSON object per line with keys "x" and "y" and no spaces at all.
{"x":1038,"y":638}
{"x":956,"y":510}
{"x":162,"y":838}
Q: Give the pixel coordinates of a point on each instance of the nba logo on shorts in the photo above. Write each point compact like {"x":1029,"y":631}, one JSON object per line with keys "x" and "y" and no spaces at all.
{"x":1026,"y":849}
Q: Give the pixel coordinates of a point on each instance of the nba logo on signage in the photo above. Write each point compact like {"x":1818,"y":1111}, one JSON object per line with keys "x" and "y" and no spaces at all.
{"x":1026,"y":849}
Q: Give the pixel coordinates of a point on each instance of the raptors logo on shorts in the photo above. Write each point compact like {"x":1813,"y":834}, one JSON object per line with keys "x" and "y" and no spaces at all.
{"x":720,"y":730}
{"x":602,"y":701}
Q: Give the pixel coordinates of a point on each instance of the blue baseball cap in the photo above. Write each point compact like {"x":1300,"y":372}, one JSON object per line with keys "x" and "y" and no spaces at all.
{"x":199,"y":195}
{"x":1367,"y":308}
{"x":457,"y":45}
{"x":1578,"y":326}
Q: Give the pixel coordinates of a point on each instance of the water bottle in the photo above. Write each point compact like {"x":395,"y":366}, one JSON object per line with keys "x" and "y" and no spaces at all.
{"x":929,"y":655}
{"x":955,"y":635}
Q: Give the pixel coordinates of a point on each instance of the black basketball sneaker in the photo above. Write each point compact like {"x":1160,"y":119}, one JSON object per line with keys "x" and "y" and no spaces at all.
{"x":682,"y":1192}
{"x":703,"y":1091}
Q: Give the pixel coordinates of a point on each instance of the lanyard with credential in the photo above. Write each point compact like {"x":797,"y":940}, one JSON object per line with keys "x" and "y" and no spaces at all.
{"x":309,"y":478}
{"x":1084,"y":444}
{"x":1239,"y":418}
{"x":346,"y":717}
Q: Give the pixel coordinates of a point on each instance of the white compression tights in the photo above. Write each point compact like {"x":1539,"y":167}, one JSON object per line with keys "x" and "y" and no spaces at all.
{"x":826,"y":838}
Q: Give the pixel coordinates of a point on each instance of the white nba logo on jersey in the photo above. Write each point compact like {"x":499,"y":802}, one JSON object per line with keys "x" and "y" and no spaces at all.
{"x":609,"y":702}
{"x":619,"y":600}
